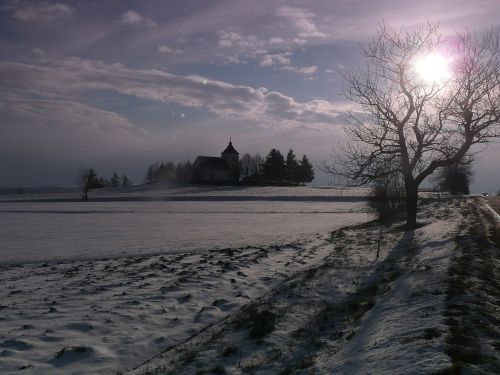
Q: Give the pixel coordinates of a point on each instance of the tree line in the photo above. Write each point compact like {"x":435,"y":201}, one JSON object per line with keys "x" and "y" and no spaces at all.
{"x":274,"y":169}
{"x":89,"y":180}
{"x":169,"y":172}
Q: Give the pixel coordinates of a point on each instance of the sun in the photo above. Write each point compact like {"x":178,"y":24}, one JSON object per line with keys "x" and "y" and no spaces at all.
{"x":433,"y":68}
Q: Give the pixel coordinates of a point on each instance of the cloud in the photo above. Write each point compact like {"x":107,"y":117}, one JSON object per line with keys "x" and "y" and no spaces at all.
{"x":258,"y":50}
{"x":302,"y":20}
{"x":133,"y":18}
{"x":276,"y":41}
{"x":65,"y":114}
{"x":307,"y":70}
{"x":42,"y":12}
{"x":38,"y":52}
{"x":72,"y":76}
{"x":280,"y":59}
{"x":169,"y":50}
{"x":233,"y":39}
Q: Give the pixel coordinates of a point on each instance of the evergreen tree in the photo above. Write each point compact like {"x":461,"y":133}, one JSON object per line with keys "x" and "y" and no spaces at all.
{"x":292,"y":167}
{"x":457,"y":177}
{"x":152,"y":173}
{"x":125,"y":181}
{"x":274,"y":169}
{"x":306,"y":170}
{"x":115,"y":180}
{"x":166,"y":172}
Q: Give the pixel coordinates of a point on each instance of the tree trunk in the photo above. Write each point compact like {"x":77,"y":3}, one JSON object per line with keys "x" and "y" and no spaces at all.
{"x":411,"y":206}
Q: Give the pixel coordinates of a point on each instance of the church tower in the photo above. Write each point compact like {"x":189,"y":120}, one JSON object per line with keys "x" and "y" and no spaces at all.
{"x":231,"y":156}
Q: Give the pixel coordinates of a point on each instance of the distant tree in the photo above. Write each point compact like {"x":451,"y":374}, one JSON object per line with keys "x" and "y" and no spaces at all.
{"x":126,"y":182}
{"x":152,"y":173}
{"x":87,"y":179}
{"x":274,"y":169}
{"x":183,"y":172}
{"x":258,"y":161}
{"x":166,"y":172}
{"x":292,"y":168}
{"x":457,"y":177}
{"x":247,"y":166}
{"x":305,"y":171}
{"x":101,"y":182}
{"x":115,"y":180}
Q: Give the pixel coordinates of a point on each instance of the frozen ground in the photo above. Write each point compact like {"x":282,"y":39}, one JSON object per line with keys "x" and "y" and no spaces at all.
{"x":211,"y":193}
{"x":429,"y":304}
{"x":98,"y":301}
{"x":48,"y":231}
{"x":314,"y":304}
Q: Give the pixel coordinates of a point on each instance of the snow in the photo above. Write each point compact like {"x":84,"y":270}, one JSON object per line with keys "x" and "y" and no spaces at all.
{"x":49,"y":231}
{"x":210,"y":193}
{"x":319,"y":328}
{"x":185,"y":306}
{"x":72,"y":302}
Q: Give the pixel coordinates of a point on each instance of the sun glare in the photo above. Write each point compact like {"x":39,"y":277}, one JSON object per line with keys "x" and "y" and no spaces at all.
{"x":433,"y":68}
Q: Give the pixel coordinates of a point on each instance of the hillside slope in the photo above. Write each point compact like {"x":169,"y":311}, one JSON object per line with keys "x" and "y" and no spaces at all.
{"x":429,"y":304}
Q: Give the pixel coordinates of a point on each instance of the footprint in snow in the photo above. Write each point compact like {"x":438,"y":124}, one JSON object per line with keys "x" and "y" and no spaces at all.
{"x":16,"y":345}
{"x":72,"y":354}
{"x":83,"y":327}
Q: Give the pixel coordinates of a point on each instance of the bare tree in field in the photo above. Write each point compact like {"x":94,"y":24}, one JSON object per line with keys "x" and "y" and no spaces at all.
{"x":86,"y":179}
{"x":247,"y":167}
{"x":406,"y":124}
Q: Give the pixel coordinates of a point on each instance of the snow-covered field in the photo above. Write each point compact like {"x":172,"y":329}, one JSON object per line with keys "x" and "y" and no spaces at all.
{"x":100,"y":287}
{"x":304,"y":294}
{"x":48,"y":231}
{"x":212,"y":193}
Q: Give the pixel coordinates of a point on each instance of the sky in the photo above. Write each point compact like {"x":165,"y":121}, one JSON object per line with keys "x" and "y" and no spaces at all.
{"x":117,"y":85}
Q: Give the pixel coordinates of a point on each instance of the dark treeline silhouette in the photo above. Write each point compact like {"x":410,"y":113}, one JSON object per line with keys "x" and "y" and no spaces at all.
{"x":275,"y":169}
{"x":168,"y":172}
{"x":88,"y":180}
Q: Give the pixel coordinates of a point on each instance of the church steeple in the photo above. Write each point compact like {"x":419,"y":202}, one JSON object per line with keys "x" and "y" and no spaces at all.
{"x":231,"y":156}
{"x":230,"y":149}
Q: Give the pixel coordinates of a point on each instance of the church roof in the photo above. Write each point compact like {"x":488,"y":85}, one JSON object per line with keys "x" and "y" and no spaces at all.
{"x":211,"y":162}
{"x":230,"y":149}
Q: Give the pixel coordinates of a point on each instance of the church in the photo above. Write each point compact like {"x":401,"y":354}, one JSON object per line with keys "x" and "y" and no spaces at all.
{"x":212,"y":170}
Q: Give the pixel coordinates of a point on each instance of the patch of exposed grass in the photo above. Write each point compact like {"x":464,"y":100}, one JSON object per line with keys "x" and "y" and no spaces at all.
{"x":431,"y":333}
{"x":230,"y":350}
{"x":218,"y":370}
{"x":188,"y":356}
{"x":305,"y":362}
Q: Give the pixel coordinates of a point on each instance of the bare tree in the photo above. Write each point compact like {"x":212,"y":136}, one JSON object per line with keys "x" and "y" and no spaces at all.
{"x":405,"y":125}
{"x":247,"y":166}
{"x":258,"y":161}
{"x":87,"y":178}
